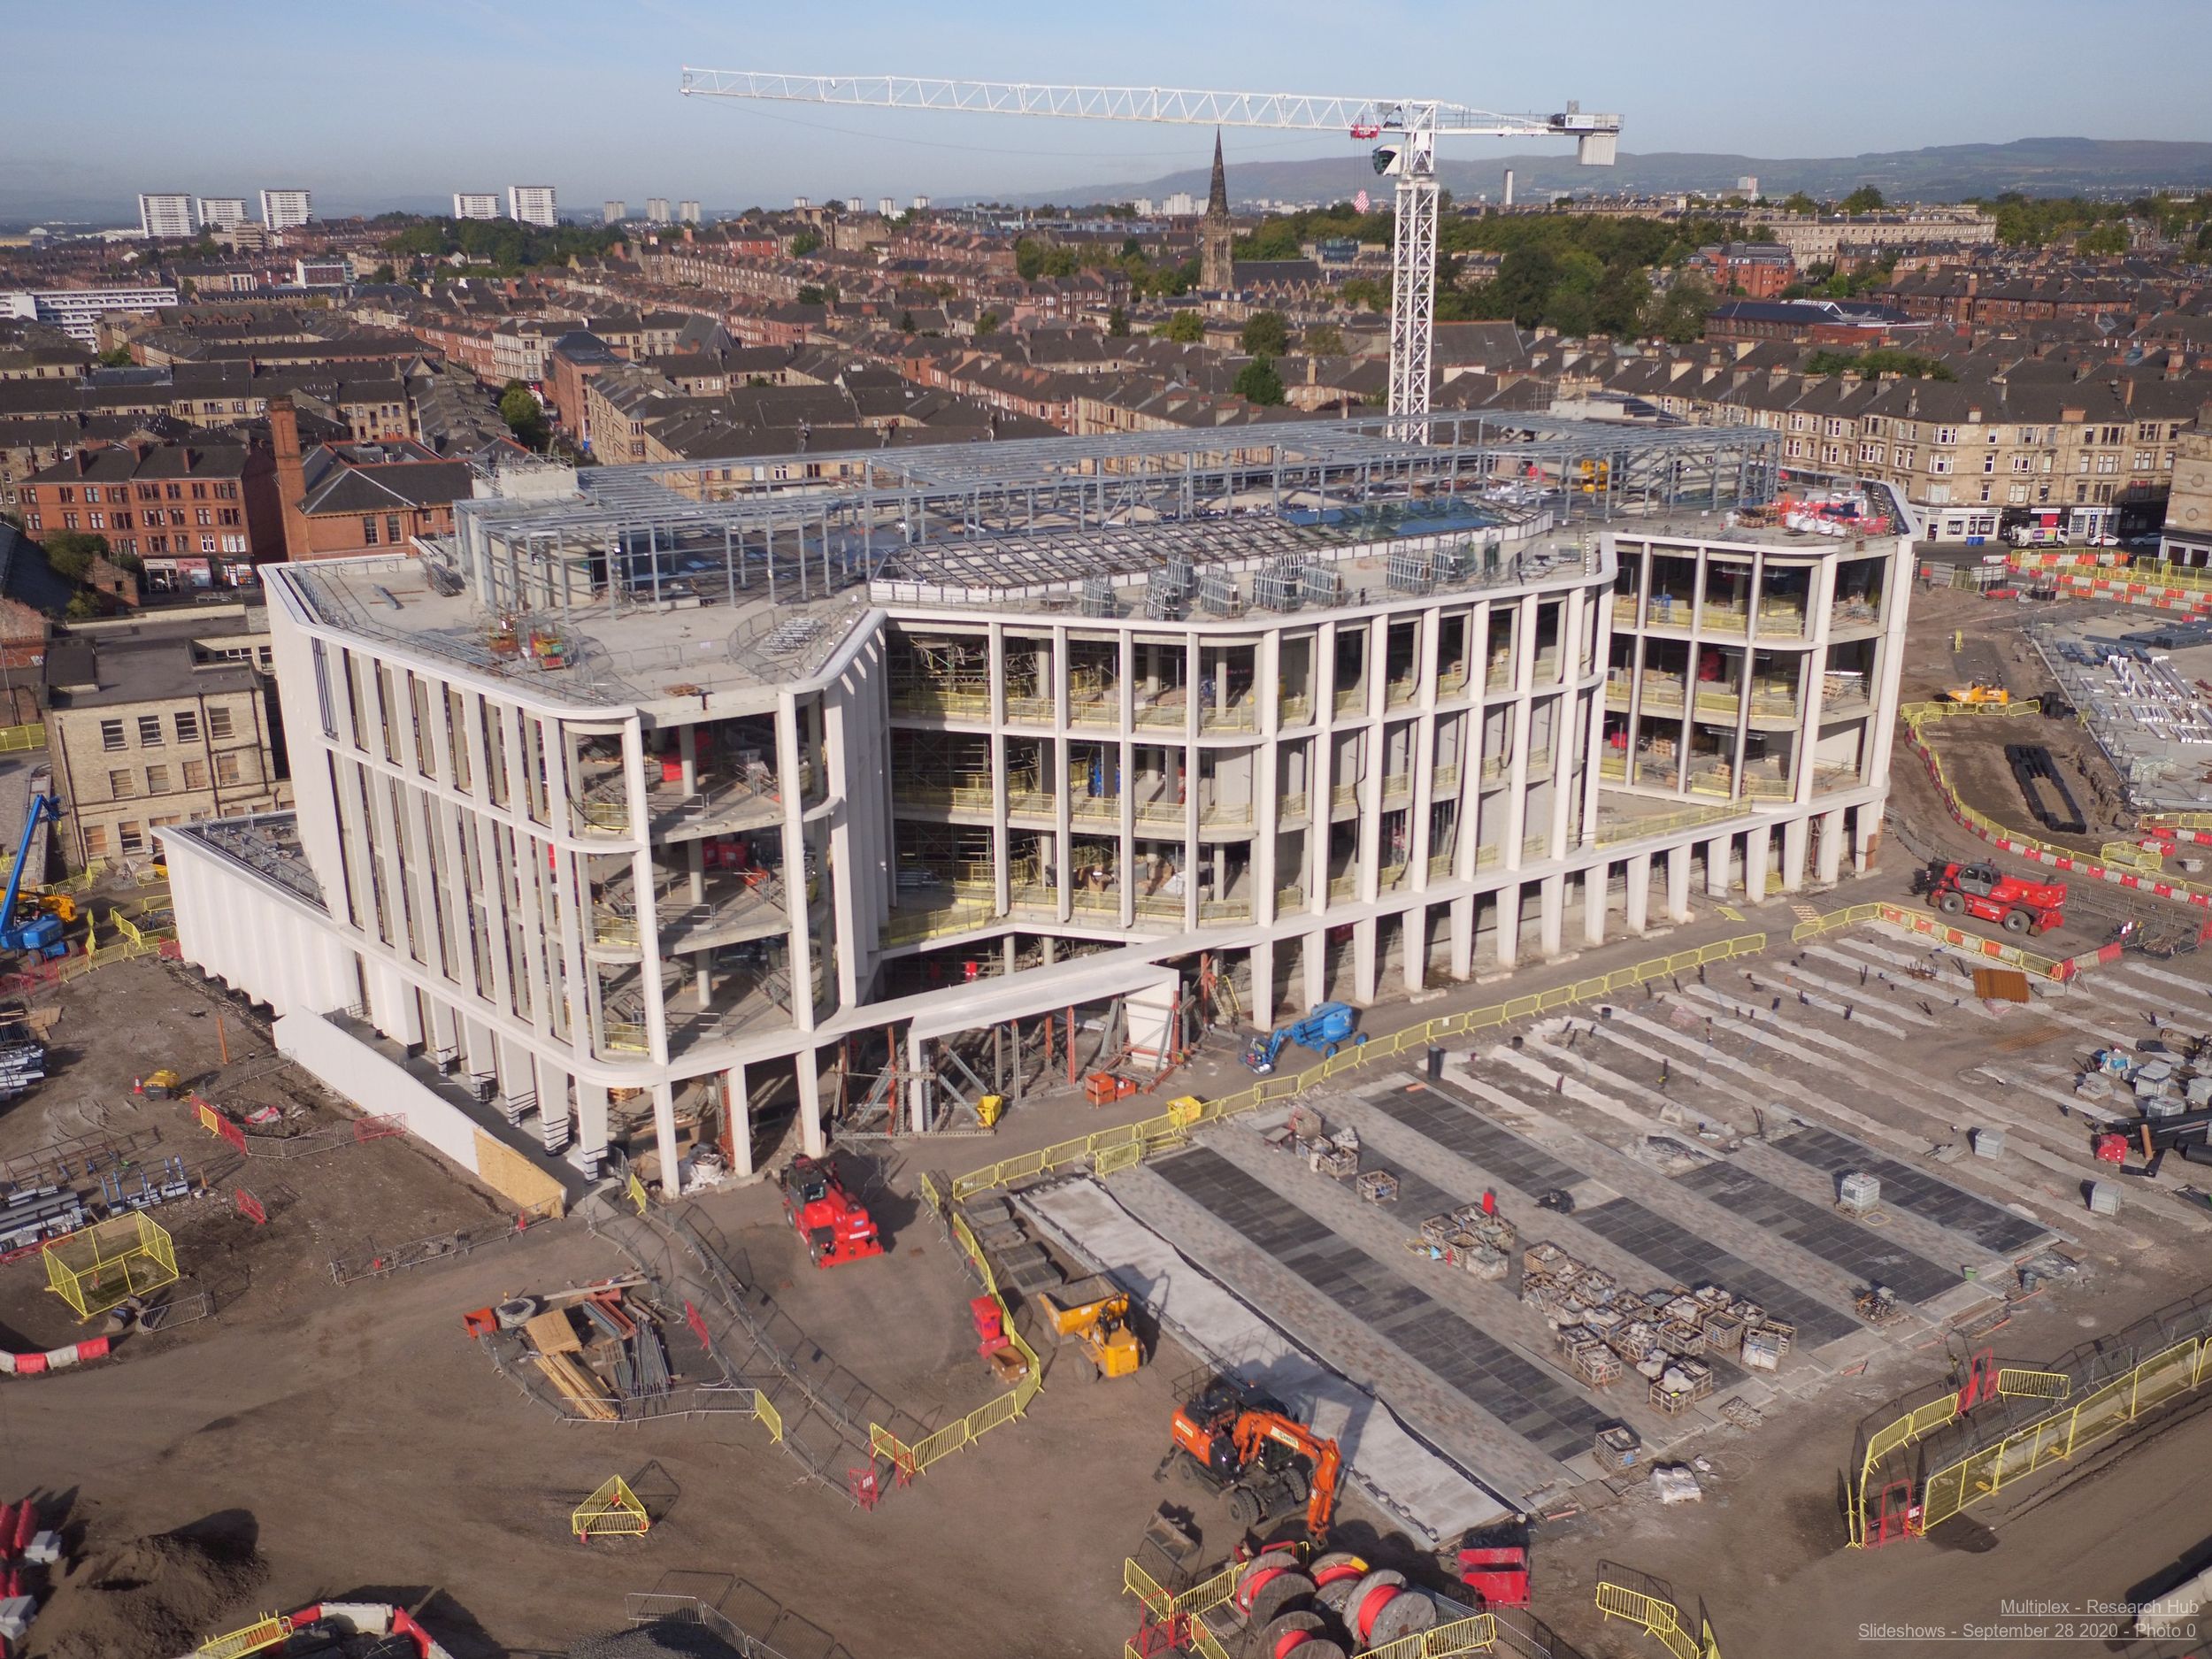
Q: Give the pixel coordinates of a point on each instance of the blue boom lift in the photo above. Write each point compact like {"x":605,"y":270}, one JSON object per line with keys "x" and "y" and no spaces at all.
{"x":1324,"y":1030}
{"x":40,"y":933}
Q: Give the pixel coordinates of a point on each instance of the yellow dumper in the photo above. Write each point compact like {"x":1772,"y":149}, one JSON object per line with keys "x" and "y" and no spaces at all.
{"x":1093,"y":1314}
{"x":1980,"y":691}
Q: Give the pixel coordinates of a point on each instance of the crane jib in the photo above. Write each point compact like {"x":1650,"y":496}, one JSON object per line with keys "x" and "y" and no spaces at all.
{"x":1411,"y":162}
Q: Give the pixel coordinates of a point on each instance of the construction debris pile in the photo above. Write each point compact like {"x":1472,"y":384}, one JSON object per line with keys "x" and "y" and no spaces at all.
{"x":160,"y":1593}
{"x":600,"y":1347}
{"x":1331,"y":1152}
{"x":1602,"y":1331}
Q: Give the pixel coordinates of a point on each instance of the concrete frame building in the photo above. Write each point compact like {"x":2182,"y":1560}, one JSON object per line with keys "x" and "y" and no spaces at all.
{"x":476,"y":204}
{"x":223,"y":212}
{"x":533,"y":204}
{"x":670,"y":787}
{"x":287,"y":210}
{"x":167,"y":213}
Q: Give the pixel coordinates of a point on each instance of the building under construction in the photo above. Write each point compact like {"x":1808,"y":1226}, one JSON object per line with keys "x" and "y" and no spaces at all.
{"x":620,"y":807}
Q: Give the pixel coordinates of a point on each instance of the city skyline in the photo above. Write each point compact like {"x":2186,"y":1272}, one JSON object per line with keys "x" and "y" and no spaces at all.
{"x":501,"y":91}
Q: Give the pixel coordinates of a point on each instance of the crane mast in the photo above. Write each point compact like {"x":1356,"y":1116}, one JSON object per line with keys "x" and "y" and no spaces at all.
{"x":1408,"y":129}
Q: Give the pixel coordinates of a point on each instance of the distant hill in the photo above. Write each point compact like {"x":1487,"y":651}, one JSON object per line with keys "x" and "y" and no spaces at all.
{"x":1948,"y":172}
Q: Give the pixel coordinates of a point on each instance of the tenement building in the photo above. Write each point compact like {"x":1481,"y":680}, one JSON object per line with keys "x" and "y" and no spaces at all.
{"x":621,"y":813}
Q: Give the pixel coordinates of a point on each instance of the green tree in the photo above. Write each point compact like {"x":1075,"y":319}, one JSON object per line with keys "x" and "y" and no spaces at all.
{"x":71,"y":552}
{"x":1258,"y":382}
{"x":2103,"y":239}
{"x":1265,"y":334}
{"x":1677,"y":316}
{"x":1372,"y":293}
{"x":906,"y":322}
{"x":1185,"y":327}
{"x":1882,"y":360}
{"x":1798,"y":202}
{"x":383,"y":274}
{"x":805,"y":242}
{"x":118,"y":358}
{"x":1324,"y":340}
{"x":523,"y":417}
{"x":813,"y":293}
{"x":1865,"y":199}
{"x":986,"y":323}
{"x":1118,"y":324}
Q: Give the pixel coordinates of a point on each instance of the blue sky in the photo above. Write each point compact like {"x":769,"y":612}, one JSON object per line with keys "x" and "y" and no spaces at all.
{"x":365,"y":104}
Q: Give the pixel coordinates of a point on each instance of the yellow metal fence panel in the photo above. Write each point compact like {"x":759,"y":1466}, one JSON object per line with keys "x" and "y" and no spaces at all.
{"x":1658,"y":1619}
{"x":611,"y":1510}
{"x":2042,"y":1385}
{"x":264,"y":1633}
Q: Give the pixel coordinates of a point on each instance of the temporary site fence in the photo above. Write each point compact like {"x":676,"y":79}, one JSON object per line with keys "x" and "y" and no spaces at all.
{"x":1178,"y":1617}
{"x":909,"y":1461}
{"x":264,"y":1633}
{"x":15,"y":739}
{"x":1919,"y":715}
{"x":1119,"y":1147}
{"x":612,"y":1510}
{"x":1658,"y":1617}
{"x":98,"y":1267}
{"x":658,"y":1608}
{"x":2006,"y":1422}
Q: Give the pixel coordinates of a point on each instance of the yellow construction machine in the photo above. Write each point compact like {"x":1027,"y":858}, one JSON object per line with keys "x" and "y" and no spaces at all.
{"x":1980,"y":691}
{"x":1094,"y":1315}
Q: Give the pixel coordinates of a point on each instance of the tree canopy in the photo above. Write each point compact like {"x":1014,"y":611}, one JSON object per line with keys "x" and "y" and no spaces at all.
{"x":1865,"y":199}
{"x":1323,"y":340}
{"x":506,"y":245}
{"x":1185,"y":327}
{"x":523,"y":417}
{"x":1258,"y":382}
{"x":1118,"y":324}
{"x":1882,"y":360}
{"x":69,"y":553}
{"x":1265,"y":334}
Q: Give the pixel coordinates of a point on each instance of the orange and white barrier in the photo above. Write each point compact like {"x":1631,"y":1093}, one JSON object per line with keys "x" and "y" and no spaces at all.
{"x":53,"y":1358}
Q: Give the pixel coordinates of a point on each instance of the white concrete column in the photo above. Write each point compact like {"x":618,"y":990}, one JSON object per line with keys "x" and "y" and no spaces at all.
{"x":1830,"y":856}
{"x":1794,"y":838}
{"x":1552,"y":913}
{"x":1312,"y":956}
{"x":591,"y":1120}
{"x":1364,"y":960}
{"x":1758,"y":860}
{"x":664,"y":1137}
{"x":1678,"y":883}
{"x":1865,"y":826}
{"x":1720,"y":854}
{"x":808,"y":1068}
{"x":1509,"y":912}
{"x":1261,"y":1012}
{"x":687,"y":753}
{"x":739,"y":1105}
{"x":1463,"y":930}
{"x":1596,"y":884}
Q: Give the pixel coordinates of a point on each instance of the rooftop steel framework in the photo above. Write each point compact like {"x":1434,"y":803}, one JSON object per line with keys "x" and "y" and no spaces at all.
{"x":1089,"y":506}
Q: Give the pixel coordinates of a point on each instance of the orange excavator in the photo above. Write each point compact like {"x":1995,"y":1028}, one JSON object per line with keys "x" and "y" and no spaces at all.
{"x":1264,"y":1458}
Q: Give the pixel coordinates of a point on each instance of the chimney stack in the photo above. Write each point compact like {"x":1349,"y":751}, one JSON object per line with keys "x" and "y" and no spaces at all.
{"x":284,"y":430}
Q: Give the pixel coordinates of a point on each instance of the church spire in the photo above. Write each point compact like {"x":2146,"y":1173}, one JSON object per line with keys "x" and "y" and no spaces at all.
{"x":1217,"y":193}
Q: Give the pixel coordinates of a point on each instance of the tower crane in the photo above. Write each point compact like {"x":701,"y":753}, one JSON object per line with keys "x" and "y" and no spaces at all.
{"x":1408,"y":129}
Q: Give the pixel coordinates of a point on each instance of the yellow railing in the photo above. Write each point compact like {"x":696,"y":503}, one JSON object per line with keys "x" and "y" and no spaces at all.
{"x":16,"y":738}
{"x":1293,"y":710}
{"x":1127,"y":1143}
{"x":1659,"y":1619}
{"x":1637,"y":829}
{"x":263,"y":1633}
{"x":958,"y":1436}
{"x":1291,"y":806}
{"x":612,"y":1510}
{"x":623,"y":1036}
{"x":99,"y":1267}
{"x":2011,"y":956}
{"x":906,"y":927}
{"x":2177,"y":1369}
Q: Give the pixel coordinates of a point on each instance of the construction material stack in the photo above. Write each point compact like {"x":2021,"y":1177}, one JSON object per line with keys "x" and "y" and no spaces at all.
{"x":1664,"y":1335}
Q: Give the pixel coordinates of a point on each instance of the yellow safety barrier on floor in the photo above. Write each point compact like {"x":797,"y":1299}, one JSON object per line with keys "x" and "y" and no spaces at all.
{"x":1114,"y":1148}
{"x":958,"y":1436}
{"x":14,"y":739}
{"x":612,"y":1510}
{"x":1659,"y":1619}
{"x":264,"y":1633}
{"x":96,"y":1268}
